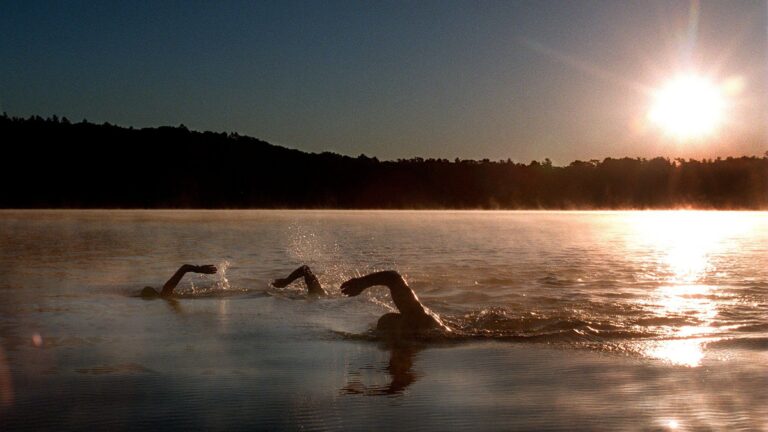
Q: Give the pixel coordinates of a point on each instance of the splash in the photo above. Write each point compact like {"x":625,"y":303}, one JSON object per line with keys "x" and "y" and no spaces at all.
{"x":222,"y":283}
{"x":309,"y":244}
{"x":204,"y":285}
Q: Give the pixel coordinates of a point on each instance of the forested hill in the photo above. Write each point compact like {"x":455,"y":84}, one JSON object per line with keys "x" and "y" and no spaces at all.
{"x":54,"y":163}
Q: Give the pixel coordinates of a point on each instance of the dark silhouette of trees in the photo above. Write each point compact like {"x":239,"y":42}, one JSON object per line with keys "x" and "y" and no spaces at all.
{"x":55,"y":163}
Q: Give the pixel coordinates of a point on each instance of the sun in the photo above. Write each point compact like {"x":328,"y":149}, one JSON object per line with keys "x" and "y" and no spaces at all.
{"x":688,"y":107}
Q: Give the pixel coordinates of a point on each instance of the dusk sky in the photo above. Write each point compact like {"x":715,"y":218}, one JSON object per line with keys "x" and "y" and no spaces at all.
{"x":519,"y":79}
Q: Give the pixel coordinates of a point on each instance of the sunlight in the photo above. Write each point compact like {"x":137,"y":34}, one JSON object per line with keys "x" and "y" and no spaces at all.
{"x":683,"y":300}
{"x":687,"y":261}
{"x":687,"y":299}
{"x":688,"y":107}
{"x":684,"y":244}
{"x":684,"y":241}
{"x":679,"y":352}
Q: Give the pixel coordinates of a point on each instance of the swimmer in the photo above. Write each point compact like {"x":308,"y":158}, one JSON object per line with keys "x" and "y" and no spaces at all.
{"x":149,"y":292}
{"x":413,"y":318}
{"x":314,"y":289}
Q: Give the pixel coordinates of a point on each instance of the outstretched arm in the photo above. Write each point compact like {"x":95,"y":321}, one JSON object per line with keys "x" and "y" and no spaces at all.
{"x":313,"y":285}
{"x":403,"y":296}
{"x":416,"y":316}
{"x":186,"y":268}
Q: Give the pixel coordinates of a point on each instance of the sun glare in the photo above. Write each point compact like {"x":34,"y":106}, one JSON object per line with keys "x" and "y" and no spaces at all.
{"x":688,"y":107}
{"x":684,"y":249}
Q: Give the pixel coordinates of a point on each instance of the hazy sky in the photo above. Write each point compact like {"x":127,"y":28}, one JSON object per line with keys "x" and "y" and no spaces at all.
{"x":518,"y":79}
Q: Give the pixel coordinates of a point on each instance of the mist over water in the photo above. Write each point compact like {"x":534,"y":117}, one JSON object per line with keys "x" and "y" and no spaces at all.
{"x":680,"y":291}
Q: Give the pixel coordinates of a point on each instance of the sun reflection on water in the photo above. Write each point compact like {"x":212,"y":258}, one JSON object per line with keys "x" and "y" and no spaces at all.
{"x":683,"y":242}
{"x":679,"y":352}
{"x":682,"y":245}
{"x":695,"y":303}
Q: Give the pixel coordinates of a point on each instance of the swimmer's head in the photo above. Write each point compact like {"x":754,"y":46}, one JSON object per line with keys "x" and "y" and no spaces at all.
{"x":149,"y":293}
{"x":391,"y":326}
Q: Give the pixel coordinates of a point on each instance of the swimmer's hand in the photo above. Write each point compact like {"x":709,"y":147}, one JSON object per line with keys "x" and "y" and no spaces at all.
{"x":205,"y":269}
{"x":353,"y":287}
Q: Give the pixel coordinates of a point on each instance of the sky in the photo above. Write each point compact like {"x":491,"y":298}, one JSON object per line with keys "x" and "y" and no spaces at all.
{"x":525,"y":80}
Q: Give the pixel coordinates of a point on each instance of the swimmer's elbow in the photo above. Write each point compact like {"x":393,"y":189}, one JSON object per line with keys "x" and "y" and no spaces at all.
{"x":391,"y":278}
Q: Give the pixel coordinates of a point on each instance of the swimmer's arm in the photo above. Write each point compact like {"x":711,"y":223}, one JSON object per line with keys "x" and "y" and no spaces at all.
{"x":313,"y":284}
{"x":186,"y":268}
{"x":402,"y":295}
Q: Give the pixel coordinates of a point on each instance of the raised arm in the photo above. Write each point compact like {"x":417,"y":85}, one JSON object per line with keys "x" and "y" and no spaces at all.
{"x":313,"y":285}
{"x":186,"y":268}
{"x":413,"y":316}
{"x":403,"y":296}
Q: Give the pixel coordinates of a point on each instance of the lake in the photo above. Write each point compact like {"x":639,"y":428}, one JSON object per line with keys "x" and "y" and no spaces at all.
{"x":636,"y":320}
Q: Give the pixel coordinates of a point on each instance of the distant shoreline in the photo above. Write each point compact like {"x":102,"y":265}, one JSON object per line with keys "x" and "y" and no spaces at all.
{"x":59,"y":164}
{"x":341,"y":210}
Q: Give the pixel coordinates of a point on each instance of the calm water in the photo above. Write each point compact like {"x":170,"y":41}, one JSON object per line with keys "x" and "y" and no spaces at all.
{"x":565,"y":320}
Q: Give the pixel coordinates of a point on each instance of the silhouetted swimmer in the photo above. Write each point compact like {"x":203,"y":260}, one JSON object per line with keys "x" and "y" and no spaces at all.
{"x":149,"y":292}
{"x":413,"y":318}
{"x":313,"y":285}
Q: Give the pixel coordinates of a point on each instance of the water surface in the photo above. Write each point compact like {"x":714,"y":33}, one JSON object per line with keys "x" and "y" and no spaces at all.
{"x":565,"y":320}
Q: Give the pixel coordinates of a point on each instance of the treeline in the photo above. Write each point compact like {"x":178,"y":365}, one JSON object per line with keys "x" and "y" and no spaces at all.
{"x":54,"y":163}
